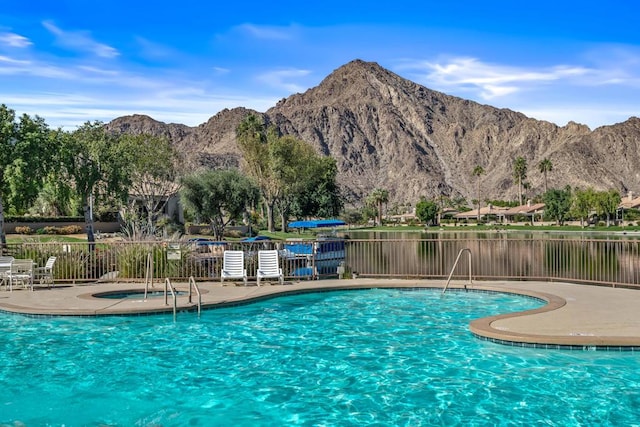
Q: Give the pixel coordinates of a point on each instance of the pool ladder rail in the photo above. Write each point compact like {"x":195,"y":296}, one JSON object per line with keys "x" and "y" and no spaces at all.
{"x":455,"y":264}
{"x":169,"y":288}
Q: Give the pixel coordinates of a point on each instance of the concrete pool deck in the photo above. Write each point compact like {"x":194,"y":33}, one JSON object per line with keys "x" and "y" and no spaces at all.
{"x":575,"y":315}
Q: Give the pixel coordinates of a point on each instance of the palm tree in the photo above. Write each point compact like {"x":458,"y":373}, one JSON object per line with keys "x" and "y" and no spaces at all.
{"x":477,"y":172}
{"x":545,"y":166}
{"x":520,"y":174}
{"x":378,"y":197}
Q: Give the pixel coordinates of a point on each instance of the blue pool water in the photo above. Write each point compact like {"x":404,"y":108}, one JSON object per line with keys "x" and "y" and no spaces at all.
{"x":350,"y":358}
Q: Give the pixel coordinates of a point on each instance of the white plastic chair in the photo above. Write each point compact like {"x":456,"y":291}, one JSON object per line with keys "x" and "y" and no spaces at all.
{"x":233,"y":266}
{"x":269,"y":266}
{"x":21,"y":272}
{"x":45,"y":274}
{"x":5,"y":268}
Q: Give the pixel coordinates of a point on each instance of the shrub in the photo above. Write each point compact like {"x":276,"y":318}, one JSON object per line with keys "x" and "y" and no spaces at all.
{"x":232,"y":233}
{"x":24,"y":230}
{"x":70,"y":229}
{"x":67,"y":229}
{"x":50,"y":230}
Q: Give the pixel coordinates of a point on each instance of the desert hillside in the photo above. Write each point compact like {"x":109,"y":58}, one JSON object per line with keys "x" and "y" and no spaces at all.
{"x":386,"y":131}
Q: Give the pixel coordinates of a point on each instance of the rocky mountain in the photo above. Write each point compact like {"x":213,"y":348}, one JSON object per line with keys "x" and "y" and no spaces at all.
{"x":388,"y":132}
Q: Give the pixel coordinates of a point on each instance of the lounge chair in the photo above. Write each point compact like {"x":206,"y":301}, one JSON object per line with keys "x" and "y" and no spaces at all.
{"x":269,"y":266}
{"x":233,"y":266}
{"x":45,"y":274}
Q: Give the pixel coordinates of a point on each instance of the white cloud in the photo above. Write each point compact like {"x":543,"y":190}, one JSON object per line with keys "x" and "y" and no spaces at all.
{"x":99,"y":71}
{"x":221,"y":70}
{"x":80,"y":41}
{"x":490,"y":80}
{"x":12,"y":61}
{"x":493,"y":91}
{"x":16,"y":67}
{"x":152,"y":50}
{"x":268,"y":32}
{"x":14,"y":40}
{"x":279,"y":79}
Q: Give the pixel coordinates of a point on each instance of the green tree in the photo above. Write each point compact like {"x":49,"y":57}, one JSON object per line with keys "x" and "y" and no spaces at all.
{"x":288,"y":172}
{"x":95,"y":162}
{"x":154,"y":166}
{"x":320,"y":195}
{"x":520,"y":174}
{"x":8,"y":133}
{"x":377,"y":198}
{"x":582,"y":203}
{"x":26,"y":159}
{"x":478,"y":171}
{"x":253,"y":141}
{"x":557,"y":204}
{"x":545,"y":166}
{"x":426,"y":211}
{"x":606,"y":203}
{"x":55,"y":199}
{"x":291,"y":163}
{"x":218,"y":197}
{"x":32,"y":155}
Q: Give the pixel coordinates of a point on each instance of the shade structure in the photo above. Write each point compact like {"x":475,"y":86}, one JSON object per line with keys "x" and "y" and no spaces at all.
{"x":317,"y":223}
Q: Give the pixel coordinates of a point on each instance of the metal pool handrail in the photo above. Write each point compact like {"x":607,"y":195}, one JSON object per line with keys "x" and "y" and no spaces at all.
{"x":167,"y":284}
{"x":454,"y":267}
{"x":192,"y":284}
{"x":148,"y":276}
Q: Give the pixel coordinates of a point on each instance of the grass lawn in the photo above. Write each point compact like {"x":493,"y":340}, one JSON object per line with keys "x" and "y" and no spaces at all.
{"x":488,"y":227}
{"x":45,"y":238}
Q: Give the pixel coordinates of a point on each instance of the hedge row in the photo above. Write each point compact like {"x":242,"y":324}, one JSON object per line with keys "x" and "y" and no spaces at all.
{"x":10,"y":218}
{"x":67,"y":229}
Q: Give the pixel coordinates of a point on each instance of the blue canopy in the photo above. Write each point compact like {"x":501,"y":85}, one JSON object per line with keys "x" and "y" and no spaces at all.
{"x":256,"y":239}
{"x":316,"y":223}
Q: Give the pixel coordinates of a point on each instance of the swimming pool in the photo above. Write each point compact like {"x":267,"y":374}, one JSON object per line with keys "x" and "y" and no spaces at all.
{"x":348,"y":358}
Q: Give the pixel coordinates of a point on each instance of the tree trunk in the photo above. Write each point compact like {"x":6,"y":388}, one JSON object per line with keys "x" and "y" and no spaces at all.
{"x":478,"y":194}
{"x":3,"y":236}
{"x":379,"y":213}
{"x":270,"y":222}
{"x":149,"y":217}
{"x":88,"y":221}
{"x":520,"y":191}
{"x":217,"y":229}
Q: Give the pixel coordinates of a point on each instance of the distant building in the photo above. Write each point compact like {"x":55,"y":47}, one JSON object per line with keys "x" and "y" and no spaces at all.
{"x":530,"y":210}
{"x":485,"y":212}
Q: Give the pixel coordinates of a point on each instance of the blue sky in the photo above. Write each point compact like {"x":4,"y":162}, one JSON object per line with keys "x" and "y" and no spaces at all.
{"x":72,"y":61}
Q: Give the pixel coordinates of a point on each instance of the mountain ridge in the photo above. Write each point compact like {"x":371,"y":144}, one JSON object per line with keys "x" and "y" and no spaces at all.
{"x":389,"y":132}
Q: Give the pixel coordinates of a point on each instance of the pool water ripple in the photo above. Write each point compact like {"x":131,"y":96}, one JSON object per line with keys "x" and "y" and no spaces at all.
{"x":375,"y":357}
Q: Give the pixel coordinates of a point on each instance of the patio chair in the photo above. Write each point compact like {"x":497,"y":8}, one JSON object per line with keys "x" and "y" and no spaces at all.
{"x":233,"y":266}
{"x":5,"y":268}
{"x":21,"y":272}
{"x":269,"y":266}
{"x":45,"y":274}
